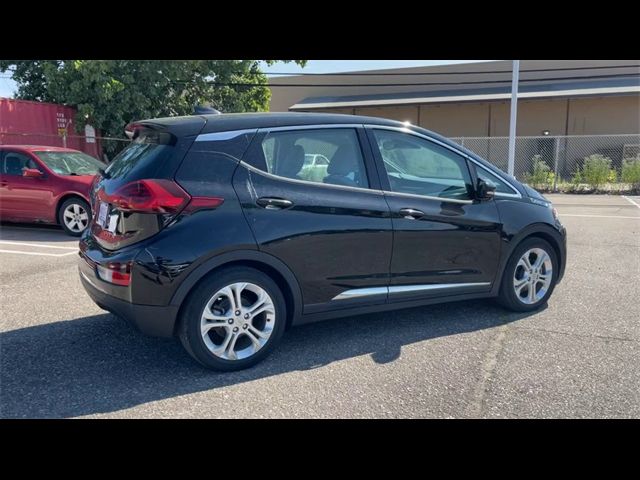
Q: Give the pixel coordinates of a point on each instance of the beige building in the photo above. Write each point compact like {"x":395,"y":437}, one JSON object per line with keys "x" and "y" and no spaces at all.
{"x":598,"y":97}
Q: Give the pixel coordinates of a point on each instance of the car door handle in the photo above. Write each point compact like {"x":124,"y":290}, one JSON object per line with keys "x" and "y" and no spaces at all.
{"x":411,"y":213}
{"x":4,"y":184}
{"x":272,"y":203}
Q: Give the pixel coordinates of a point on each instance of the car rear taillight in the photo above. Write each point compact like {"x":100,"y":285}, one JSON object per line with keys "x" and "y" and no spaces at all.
{"x":158,"y":196}
{"x":201,"y":203}
{"x":126,"y":215}
{"x":116,"y":273}
{"x":149,"y":196}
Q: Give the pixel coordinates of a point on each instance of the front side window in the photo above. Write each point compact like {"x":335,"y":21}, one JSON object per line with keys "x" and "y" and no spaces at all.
{"x":15,"y":163}
{"x":501,"y":186}
{"x":330,"y":156}
{"x":417,"y":166}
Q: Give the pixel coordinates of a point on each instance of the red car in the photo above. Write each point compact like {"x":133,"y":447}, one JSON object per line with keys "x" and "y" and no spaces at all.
{"x":46,"y":184}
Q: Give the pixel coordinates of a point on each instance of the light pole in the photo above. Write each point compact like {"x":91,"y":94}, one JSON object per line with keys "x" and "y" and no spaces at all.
{"x":514,"y":115}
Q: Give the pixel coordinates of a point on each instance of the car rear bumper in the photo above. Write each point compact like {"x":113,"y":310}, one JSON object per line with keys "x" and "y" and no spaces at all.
{"x":158,"y":321}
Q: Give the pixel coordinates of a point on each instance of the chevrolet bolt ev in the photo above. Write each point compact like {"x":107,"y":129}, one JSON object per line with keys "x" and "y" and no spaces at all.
{"x":227,"y":230}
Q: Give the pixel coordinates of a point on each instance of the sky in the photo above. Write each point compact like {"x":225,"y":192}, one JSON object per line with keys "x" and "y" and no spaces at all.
{"x":8,"y":86}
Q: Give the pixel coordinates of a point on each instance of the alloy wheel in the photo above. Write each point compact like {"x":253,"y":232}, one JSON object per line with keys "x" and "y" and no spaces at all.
{"x":237,"y":321}
{"x":75,"y":217}
{"x":533,"y":275}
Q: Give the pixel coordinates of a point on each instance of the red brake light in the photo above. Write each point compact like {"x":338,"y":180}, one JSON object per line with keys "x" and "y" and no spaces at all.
{"x":201,"y":203}
{"x":150,"y":196}
{"x":116,"y":273}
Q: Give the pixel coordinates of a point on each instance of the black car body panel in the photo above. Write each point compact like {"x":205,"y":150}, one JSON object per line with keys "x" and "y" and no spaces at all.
{"x":335,"y":250}
{"x":350,"y":226}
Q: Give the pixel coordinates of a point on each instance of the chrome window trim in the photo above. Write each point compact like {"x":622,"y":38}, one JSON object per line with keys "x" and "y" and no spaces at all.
{"x":310,"y":127}
{"x":273,"y":176}
{"x":454,"y":150}
{"x":366,"y":292}
{"x":217,"y":136}
{"x":435,"y":286}
{"x":507,"y":195}
{"x":499,"y":194}
{"x":226,"y":135}
{"x":428,"y":197}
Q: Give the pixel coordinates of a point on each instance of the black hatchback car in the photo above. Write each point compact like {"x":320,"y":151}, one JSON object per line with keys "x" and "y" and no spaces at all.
{"x":226,"y":230}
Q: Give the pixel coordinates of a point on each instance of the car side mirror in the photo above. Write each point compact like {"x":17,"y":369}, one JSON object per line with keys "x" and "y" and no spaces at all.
{"x":486,"y":189}
{"x":32,"y":173}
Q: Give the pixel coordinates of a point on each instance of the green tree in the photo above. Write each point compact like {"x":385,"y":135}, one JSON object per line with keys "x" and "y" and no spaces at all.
{"x":112,"y":93}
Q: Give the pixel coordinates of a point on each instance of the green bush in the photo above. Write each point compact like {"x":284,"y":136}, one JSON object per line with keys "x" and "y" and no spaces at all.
{"x":631,"y":171}
{"x":576,"y":179}
{"x":596,"y":170}
{"x":541,"y":177}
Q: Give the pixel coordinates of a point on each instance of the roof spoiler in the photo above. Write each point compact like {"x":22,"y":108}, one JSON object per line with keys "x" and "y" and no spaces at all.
{"x":205,"y":110}
{"x":130,"y":130}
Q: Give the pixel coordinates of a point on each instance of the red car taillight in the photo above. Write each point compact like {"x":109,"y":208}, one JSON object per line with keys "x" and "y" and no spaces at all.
{"x":149,"y":196}
{"x":122,"y":217}
{"x":157,"y":196}
{"x":115,"y":273}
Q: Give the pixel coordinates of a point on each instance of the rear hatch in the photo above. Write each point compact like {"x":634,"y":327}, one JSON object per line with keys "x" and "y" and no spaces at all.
{"x":136,"y":196}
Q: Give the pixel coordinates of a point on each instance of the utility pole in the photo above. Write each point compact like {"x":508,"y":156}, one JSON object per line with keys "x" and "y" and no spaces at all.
{"x":513,"y":118}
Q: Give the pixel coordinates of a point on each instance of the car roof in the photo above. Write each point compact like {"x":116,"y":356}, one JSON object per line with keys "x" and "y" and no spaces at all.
{"x":37,"y":148}
{"x":194,"y":124}
{"x":200,"y":124}
{"x":262,"y":120}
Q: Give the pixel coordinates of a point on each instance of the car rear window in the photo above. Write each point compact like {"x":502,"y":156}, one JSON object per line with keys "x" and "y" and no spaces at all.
{"x":143,"y":158}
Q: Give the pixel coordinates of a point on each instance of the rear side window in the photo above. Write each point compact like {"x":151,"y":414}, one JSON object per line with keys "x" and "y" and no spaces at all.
{"x":330,"y":156}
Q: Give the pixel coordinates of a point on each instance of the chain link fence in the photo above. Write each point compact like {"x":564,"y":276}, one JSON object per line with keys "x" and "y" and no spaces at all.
{"x":102,"y":148}
{"x":545,"y":162}
{"x":563,"y":156}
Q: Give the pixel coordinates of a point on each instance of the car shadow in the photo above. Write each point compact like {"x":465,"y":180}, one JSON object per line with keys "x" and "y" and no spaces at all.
{"x":100,"y":364}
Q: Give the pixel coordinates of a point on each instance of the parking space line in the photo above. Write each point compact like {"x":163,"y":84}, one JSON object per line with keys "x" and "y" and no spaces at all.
{"x":633,"y":202}
{"x":594,"y":216}
{"x":38,"y":253}
{"x":22,"y":244}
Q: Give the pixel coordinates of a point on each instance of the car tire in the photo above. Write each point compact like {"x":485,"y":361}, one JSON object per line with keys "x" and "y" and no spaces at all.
{"x":74,"y":215}
{"x":526,"y":289}
{"x":211,"y":341}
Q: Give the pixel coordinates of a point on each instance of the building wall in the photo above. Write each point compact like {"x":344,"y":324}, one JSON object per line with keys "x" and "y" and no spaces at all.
{"x":402,"y":114}
{"x":283,"y":96}
{"x":606,"y":115}
{"x":586,"y":116}
{"x":534,"y":116}
{"x":344,"y":111}
{"x":456,"y":119}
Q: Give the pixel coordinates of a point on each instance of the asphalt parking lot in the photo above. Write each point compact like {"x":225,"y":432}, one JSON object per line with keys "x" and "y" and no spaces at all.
{"x":61,"y":356}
